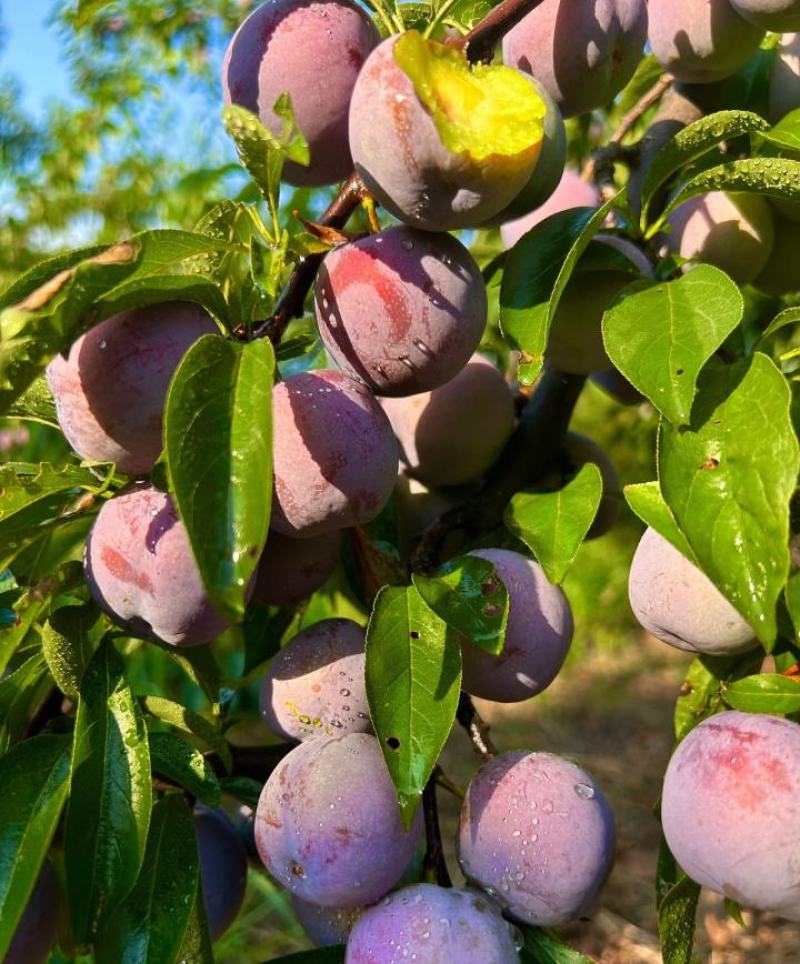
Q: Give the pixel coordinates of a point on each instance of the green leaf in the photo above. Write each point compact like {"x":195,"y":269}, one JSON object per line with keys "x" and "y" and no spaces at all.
{"x":647,"y":502}
{"x":44,"y":270}
{"x":34,"y":776}
{"x":34,"y":494}
{"x":110,"y":795}
{"x":792,"y":593}
{"x":218,"y":439}
{"x":728,"y":481}
{"x":141,"y":292}
{"x":87,"y":9}
{"x":200,"y":666}
{"x":69,"y":639}
{"x":660,"y":337}
{"x":554,"y":524}
{"x":413,"y":671}
{"x":764,"y":693}
{"x":35,"y":404}
{"x":677,"y":910}
{"x":149,"y":926}
{"x":20,"y":693}
{"x":789,"y":316}
{"x":547,"y":947}
{"x":471,"y":598}
{"x":196,"y":947}
{"x":190,"y":722}
{"x":702,"y":689}
{"x":786,"y":133}
{"x":176,"y":760}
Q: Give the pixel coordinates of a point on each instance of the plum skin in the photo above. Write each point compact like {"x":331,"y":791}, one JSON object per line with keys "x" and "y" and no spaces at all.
{"x":784,"y":83}
{"x":325,"y":926}
{"x":677,"y":603}
{"x":316,"y":685}
{"x":731,"y":795}
{"x":328,"y":827}
{"x":435,"y":924}
{"x":401,"y":310}
{"x":778,"y":16}
{"x":292,"y":569}
{"x":335,"y":455}
{"x":572,"y":192}
{"x":538,"y":634}
{"x":140,"y":570}
{"x":38,"y":927}
{"x":537,"y":833}
{"x":111,"y":387}
{"x":314,"y":51}
{"x":223,"y":868}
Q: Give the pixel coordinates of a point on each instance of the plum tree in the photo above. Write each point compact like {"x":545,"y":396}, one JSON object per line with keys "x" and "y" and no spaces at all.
{"x":335,"y":455}
{"x":784,"y":83}
{"x":315,"y":685}
{"x":676,"y":602}
{"x":572,"y":192}
{"x":435,"y":925}
{"x":325,"y":926}
{"x":536,"y":832}
{"x":328,"y":826}
{"x":296,"y":47}
{"x":538,"y":634}
{"x":140,"y":570}
{"x":700,"y":42}
{"x":223,"y":868}
{"x":584,"y":52}
{"x":439,"y":144}
{"x":111,"y":387}
{"x":733,"y":232}
{"x":731,"y":790}
{"x":615,"y":384}
{"x":579,"y":450}
{"x":291,"y":569}
{"x":454,"y":434}
{"x":401,"y":310}
{"x":38,"y":926}
{"x":778,"y":16}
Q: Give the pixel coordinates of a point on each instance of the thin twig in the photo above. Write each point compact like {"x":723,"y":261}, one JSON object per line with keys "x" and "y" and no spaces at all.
{"x":444,"y":781}
{"x":476,"y":727}
{"x":479,"y":44}
{"x":435,"y":866}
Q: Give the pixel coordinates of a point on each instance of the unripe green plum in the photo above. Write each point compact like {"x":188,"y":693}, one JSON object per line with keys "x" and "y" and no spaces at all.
{"x":572,"y":192}
{"x":583,"y":51}
{"x":440,"y":144}
{"x":313,"y":51}
{"x":141,"y":571}
{"x":676,"y":602}
{"x":111,"y":387}
{"x":781,"y":276}
{"x":292,"y":569}
{"x":580,"y":450}
{"x":223,"y":868}
{"x":733,"y":232}
{"x":538,"y":634}
{"x":615,"y":384}
{"x":315,"y":685}
{"x":325,"y":926}
{"x":433,"y":925}
{"x":778,"y":16}
{"x":37,"y":928}
{"x":784,"y":84}
{"x":536,"y":833}
{"x":401,"y":310}
{"x":453,"y":434}
{"x":335,"y":455}
{"x":700,"y":41}
{"x":328,"y":826}
{"x":730,"y":804}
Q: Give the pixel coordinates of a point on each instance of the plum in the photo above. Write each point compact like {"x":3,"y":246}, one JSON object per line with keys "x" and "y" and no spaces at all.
{"x":780,"y":275}
{"x":316,"y":685}
{"x":223,"y":868}
{"x":37,"y":928}
{"x":141,"y":571}
{"x":335,"y":455}
{"x":676,"y":602}
{"x":418,"y":507}
{"x":536,"y":833}
{"x":784,"y":85}
{"x":454,"y":434}
{"x":328,"y":826}
{"x":440,"y":144}
{"x":292,"y":569}
{"x":538,"y":634}
{"x":572,"y":192}
{"x":583,"y":51}
{"x":616,"y":385}
{"x":733,"y":232}
{"x":325,"y":926}
{"x":778,"y":16}
{"x":731,"y":793}
{"x":111,"y":387}
{"x":435,"y":925}
{"x":313,"y":51}
{"x":700,"y":41}
{"x":579,"y":450}
{"x":401,"y":310}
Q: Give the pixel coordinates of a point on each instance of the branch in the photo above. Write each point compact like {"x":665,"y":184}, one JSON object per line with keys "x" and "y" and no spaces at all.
{"x":479,"y":44}
{"x":478,"y":729}
{"x":435,"y":866}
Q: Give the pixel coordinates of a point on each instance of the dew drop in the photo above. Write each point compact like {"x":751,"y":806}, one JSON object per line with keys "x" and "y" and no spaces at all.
{"x":584,"y":791}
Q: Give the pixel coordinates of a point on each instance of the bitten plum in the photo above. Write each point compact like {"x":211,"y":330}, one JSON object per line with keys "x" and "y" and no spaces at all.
{"x":730,"y":802}
{"x":572,"y":192}
{"x":440,"y":144}
{"x":780,"y":275}
{"x":325,"y":926}
{"x":313,"y":51}
{"x":291,"y":569}
{"x":328,"y":827}
{"x":779,"y":16}
{"x":315,"y":685}
{"x":676,"y":602}
{"x":584,"y":51}
{"x":435,"y":925}
{"x":537,"y":833}
{"x":141,"y":571}
{"x":335,"y":455}
{"x":401,"y":310}
{"x":700,"y":41}
{"x":454,"y":434}
{"x":733,"y":232}
{"x":223,"y":868}
{"x":580,"y":450}
{"x":38,"y":926}
{"x":111,"y":387}
{"x":538,"y":634}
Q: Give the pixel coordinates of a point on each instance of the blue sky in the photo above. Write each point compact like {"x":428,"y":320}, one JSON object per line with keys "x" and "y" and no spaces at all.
{"x":31,"y":51}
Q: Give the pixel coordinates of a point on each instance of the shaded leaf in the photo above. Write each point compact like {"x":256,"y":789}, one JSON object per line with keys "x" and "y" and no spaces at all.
{"x":172,"y":757}
{"x":190,"y":722}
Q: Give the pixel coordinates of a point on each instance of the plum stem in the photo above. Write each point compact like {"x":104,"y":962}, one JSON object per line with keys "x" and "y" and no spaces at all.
{"x":479,"y":44}
{"x":435,"y":866}
{"x":477,"y":728}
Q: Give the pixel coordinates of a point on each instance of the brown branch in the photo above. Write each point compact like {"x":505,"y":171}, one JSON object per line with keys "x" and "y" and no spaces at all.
{"x":479,"y":44}
{"x":478,"y":729}
{"x":435,"y":866}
